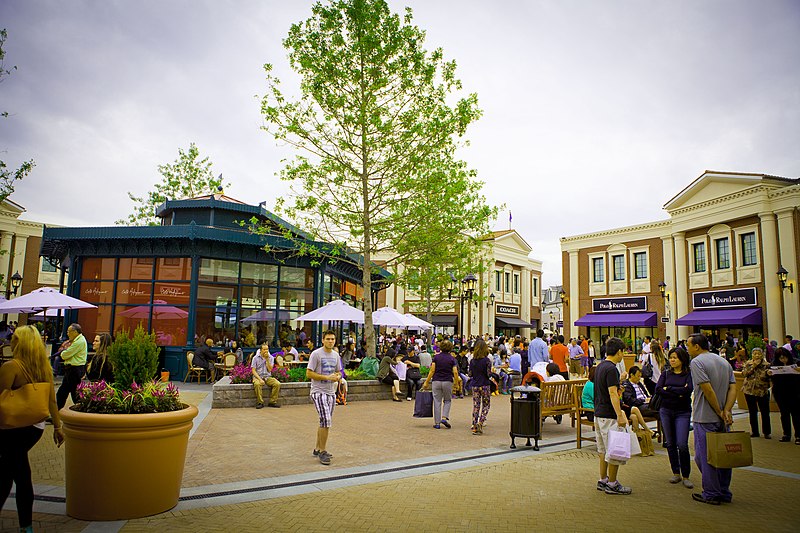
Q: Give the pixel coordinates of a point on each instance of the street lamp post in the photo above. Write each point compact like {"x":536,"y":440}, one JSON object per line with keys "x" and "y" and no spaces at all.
{"x":465,"y":294}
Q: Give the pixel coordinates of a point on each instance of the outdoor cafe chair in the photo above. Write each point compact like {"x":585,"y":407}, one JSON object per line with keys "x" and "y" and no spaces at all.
{"x":195,"y":370}
{"x":227,"y":365}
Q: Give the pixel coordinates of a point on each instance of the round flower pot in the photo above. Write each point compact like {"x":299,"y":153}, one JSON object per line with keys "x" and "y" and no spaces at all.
{"x":125,"y":466}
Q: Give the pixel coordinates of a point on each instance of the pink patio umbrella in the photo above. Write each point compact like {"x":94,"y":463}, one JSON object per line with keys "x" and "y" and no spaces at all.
{"x":161,"y":311}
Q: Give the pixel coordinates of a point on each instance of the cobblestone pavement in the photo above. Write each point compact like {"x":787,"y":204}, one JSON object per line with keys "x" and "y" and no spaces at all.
{"x":551,"y":490}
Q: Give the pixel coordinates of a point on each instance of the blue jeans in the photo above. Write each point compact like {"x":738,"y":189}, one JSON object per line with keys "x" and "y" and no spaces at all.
{"x":676,"y":439}
{"x":716,"y":481}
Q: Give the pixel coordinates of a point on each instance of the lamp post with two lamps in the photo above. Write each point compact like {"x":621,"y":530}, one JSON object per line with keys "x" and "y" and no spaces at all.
{"x":466,"y":292}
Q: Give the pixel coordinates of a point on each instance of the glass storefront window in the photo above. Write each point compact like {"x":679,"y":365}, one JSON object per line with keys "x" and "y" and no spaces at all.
{"x":257,"y":274}
{"x":97,"y":292}
{"x":129,"y":317}
{"x":302,"y":278}
{"x":172,"y":293}
{"x":256,"y":296}
{"x":257,"y":326}
{"x":136,"y":268}
{"x":177,"y":268}
{"x":216,"y":295}
{"x":216,"y":323}
{"x":219,"y":270}
{"x":93,"y":321}
{"x":98,"y":268}
{"x":134,"y":292}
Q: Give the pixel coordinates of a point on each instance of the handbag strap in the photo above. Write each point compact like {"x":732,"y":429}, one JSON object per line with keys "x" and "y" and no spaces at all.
{"x":26,"y":373}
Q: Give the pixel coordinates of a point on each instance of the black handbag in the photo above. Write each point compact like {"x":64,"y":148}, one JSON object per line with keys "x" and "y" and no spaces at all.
{"x":655,"y":401}
{"x":647,"y":368}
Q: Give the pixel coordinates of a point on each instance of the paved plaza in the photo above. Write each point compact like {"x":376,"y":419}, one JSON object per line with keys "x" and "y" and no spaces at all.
{"x":252,"y":470}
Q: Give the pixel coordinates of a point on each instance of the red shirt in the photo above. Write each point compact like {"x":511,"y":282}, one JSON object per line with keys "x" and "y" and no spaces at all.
{"x":560,"y":354}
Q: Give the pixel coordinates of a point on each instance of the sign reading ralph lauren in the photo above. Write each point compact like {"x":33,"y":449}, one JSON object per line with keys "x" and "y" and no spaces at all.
{"x":729,"y":298}
{"x":619,"y":305}
{"x":508,"y":309}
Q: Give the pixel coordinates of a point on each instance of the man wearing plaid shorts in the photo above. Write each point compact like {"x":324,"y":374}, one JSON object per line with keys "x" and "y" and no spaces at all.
{"x":324,"y":371}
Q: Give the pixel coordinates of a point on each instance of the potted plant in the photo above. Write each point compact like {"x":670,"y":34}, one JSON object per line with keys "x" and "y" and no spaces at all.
{"x":126,"y":441}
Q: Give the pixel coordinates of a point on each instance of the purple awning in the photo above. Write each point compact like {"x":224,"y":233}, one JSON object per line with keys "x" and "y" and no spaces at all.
{"x":634,"y":320}
{"x":750,"y":316}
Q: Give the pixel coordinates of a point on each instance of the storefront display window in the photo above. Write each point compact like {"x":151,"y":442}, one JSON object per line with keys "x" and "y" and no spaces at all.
{"x":136,"y":268}
{"x":98,"y":268}
{"x":301,"y":278}
{"x":257,"y":274}
{"x":219,"y":270}
{"x":174,"y":268}
{"x":93,"y":321}
{"x":134,"y":292}
{"x":216,"y":295}
{"x":97,"y":292}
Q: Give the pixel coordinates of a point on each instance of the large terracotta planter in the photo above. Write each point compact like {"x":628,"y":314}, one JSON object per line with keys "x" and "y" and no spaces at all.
{"x":120,"y":467}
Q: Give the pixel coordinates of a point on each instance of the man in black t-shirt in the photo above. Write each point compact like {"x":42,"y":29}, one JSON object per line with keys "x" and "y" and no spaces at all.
{"x":608,"y":414}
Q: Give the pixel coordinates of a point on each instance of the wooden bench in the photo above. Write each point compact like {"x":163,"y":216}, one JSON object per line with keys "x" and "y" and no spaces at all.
{"x":581,"y":413}
{"x":557,"y":398}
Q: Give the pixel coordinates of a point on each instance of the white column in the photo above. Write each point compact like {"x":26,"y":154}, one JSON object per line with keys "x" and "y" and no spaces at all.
{"x":681,"y":283}
{"x":788,"y":255}
{"x":525,"y":302}
{"x":574,"y":292}
{"x":667,"y":246}
{"x":5,"y":246}
{"x":772,"y":288}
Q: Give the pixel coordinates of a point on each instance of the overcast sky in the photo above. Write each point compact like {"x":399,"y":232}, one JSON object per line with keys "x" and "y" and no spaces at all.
{"x":595,"y":113}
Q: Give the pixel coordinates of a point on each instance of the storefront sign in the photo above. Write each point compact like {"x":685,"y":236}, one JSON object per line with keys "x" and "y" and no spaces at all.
{"x":729,"y":298}
{"x":665,"y":319}
{"x":619,"y":305}
{"x":508,"y":309}
{"x":560,"y":324}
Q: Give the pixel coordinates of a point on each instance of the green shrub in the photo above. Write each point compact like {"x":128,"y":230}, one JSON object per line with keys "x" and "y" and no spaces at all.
{"x":424,"y":371}
{"x":754,"y":340}
{"x":134,"y":359}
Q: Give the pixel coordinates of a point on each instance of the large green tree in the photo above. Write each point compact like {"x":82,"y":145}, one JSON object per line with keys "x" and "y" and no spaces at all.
{"x":9,"y":176}
{"x":188,"y":176}
{"x":376,"y":128}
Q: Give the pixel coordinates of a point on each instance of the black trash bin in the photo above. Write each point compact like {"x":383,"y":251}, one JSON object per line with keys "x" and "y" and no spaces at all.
{"x":526,"y":415}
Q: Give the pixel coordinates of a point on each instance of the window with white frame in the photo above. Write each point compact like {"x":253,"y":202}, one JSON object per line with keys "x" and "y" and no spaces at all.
{"x":535,"y":292}
{"x":640,"y":265}
{"x":749,"y":255}
{"x":508,"y":281}
{"x":516,"y":283}
{"x":47,"y":267}
{"x":598,"y":270}
{"x":497,"y":281}
{"x":723,"y":251}
{"x":619,"y":267}
{"x":699,"y":255}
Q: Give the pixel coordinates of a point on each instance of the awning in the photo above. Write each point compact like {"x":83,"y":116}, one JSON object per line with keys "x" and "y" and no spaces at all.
{"x":440,"y":320}
{"x":633,"y":320}
{"x":506,"y":322}
{"x":749,"y":316}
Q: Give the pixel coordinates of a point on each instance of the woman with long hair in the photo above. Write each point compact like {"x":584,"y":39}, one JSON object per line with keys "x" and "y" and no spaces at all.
{"x":29,"y":365}
{"x":100,"y":367}
{"x":675,"y":388}
{"x":480,"y":368}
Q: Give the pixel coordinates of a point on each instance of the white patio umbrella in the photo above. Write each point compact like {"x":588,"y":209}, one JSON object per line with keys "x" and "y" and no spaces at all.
{"x":416,"y":323}
{"x":337,"y":310}
{"x":386,"y":316}
{"x":40,"y":315}
{"x":266,"y":315}
{"x":42,"y":300}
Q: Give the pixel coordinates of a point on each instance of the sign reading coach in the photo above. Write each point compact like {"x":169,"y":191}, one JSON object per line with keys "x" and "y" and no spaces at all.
{"x":507,"y":310}
{"x":729,"y":298}
{"x":619,"y":305}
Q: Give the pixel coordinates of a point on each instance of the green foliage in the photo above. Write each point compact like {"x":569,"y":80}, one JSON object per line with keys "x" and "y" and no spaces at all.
{"x":376,"y":135}
{"x":297,"y":374}
{"x":134,"y":359}
{"x":424,"y":371}
{"x":188,"y":177}
{"x":356,"y":375}
{"x":754,"y":340}
{"x":152,"y":397}
{"x":9,"y":176}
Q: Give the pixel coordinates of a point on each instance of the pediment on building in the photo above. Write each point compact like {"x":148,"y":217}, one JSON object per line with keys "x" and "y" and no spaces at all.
{"x":510,"y":239}
{"x":715,"y":186}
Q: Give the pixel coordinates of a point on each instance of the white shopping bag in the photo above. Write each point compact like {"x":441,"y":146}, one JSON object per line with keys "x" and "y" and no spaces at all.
{"x":618,"y":449}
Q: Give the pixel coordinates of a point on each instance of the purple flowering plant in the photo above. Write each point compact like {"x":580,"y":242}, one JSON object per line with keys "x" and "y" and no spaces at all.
{"x":241,"y":373}
{"x":134,"y":360}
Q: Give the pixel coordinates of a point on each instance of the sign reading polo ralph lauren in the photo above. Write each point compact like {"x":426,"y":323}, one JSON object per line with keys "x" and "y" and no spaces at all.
{"x":729,"y":298}
{"x":508,"y":309}
{"x":619,"y":305}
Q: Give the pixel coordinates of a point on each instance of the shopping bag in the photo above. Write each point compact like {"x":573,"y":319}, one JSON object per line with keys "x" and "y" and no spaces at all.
{"x":423,"y":405}
{"x":730,"y":449}
{"x":644,"y":442}
{"x":618,"y":449}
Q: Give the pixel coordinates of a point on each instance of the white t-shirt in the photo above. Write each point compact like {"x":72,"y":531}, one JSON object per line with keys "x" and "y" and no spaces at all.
{"x":324,"y":362}
{"x":555,"y":377}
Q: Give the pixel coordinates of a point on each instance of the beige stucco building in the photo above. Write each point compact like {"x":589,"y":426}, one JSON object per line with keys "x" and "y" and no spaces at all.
{"x":507,"y":298}
{"x":717,"y":258}
{"x":20,"y":241}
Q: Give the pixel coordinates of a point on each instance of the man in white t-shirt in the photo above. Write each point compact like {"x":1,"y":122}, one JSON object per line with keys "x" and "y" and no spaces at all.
{"x":324,"y":371}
